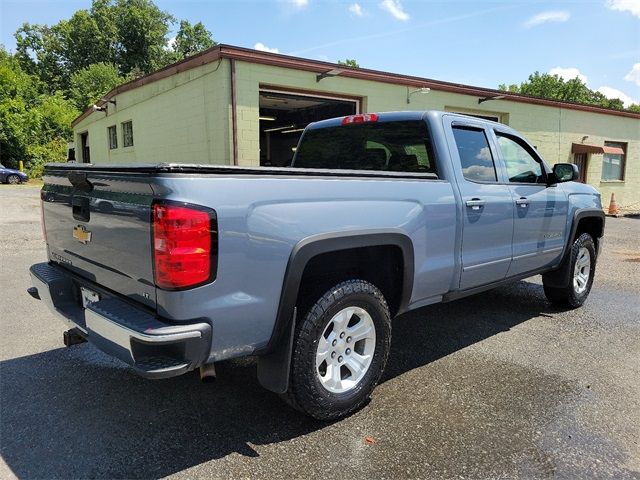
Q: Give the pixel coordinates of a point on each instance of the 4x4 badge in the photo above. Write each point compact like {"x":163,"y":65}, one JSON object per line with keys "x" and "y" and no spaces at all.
{"x":81,"y":234}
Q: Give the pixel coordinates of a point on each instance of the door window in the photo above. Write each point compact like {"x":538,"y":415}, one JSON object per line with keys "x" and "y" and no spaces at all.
{"x":522,"y":166}
{"x":475,"y":155}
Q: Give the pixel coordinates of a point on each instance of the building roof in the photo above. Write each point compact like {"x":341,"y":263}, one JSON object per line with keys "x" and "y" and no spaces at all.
{"x":304,"y":64}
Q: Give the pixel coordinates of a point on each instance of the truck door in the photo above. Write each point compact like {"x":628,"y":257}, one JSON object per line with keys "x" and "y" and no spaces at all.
{"x":487,"y":206}
{"x":540,"y":209}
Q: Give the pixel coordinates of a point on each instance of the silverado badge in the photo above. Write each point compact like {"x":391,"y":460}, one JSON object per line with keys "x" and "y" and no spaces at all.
{"x":81,"y":234}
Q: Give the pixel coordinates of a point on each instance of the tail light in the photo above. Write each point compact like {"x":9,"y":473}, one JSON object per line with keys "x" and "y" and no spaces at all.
{"x":43,"y":195}
{"x":185,"y":245}
{"x":360,"y":118}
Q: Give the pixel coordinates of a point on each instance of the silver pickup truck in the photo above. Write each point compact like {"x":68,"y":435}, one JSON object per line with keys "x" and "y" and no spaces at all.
{"x":172,"y":267}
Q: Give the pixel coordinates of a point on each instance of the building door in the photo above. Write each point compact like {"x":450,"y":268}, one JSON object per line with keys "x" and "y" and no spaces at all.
{"x":284,"y":115}
{"x":84,"y":141}
{"x":580,"y":159}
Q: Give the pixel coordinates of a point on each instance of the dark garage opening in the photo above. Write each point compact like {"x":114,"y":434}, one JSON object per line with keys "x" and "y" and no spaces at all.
{"x":283,"y":117}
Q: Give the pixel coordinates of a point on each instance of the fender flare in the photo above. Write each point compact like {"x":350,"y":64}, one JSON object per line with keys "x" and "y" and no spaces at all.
{"x":274,"y":359}
{"x":559,"y":277}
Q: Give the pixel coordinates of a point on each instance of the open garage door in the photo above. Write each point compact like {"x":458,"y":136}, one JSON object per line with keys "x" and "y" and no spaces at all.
{"x":284,"y":115}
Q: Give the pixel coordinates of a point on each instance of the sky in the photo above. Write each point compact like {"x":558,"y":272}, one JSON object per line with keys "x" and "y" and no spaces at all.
{"x":475,"y":42}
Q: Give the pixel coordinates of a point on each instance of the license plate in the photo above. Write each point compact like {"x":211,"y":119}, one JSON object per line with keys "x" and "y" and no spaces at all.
{"x":88,"y":296}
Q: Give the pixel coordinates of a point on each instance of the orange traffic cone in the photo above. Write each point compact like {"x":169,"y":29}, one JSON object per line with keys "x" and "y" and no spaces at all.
{"x":613,"y":205}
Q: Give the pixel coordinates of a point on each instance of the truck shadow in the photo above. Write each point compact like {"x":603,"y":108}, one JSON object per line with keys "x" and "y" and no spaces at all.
{"x":74,"y":413}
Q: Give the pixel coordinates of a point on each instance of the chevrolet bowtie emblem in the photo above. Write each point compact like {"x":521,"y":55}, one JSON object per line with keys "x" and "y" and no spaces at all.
{"x":81,"y":234}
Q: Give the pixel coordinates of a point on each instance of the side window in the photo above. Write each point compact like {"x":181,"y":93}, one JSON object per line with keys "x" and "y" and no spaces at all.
{"x":522,"y":167}
{"x":475,"y":155}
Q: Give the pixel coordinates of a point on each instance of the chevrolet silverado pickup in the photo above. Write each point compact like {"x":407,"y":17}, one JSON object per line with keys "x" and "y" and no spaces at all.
{"x":173,"y":267}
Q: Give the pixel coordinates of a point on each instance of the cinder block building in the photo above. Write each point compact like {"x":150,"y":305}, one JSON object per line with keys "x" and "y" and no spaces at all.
{"x":232,"y":105}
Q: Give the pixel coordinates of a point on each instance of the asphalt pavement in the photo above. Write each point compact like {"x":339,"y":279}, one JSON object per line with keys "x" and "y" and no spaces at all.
{"x":498,"y":385}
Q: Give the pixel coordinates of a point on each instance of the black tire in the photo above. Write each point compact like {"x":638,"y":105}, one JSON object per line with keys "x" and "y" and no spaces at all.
{"x":13,"y":179}
{"x":306,"y":392}
{"x":569,"y":296}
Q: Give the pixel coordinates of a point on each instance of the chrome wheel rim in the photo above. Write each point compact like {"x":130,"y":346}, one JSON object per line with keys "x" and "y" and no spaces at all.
{"x":13,"y":180}
{"x":345,"y":350}
{"x":582,"y":270}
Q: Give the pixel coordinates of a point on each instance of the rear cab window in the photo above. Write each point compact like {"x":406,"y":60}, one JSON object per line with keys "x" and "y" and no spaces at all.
{"x":395,"y":146}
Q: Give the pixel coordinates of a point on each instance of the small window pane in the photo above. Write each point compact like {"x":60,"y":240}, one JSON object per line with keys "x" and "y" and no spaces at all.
{"x":384,"y":146}
{"x":127,"y":134}
{"x":522,"y":167}
{"x":612,"y":163}
{"x":113,"y":137}
{"x":475,"y":155}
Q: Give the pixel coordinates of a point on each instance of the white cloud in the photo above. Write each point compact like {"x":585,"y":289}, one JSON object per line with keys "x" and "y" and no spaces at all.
{"x":631,"y":6}
{"x":171,"y":44}
{"x":568,"y":73}
{"x":634,"y":74}
{"x":612,"y":93}
{"x":356,"y":9}
{"x":395,"y":9}
{"x":263,"y":48}
{"x":299,"y":3}
{"x":548,"y":16}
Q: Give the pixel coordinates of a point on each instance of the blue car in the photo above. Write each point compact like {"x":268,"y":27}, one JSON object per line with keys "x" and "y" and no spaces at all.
{"x":9,"y":175}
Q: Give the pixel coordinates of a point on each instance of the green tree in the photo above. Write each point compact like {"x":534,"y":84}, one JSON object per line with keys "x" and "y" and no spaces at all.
{"x":131,"y":34}
{"x":91,"y":83}
{"x":634,"y":107}
{"x":192,"y":39}
{"x":39,"y":52}
{"x":34,"y":125}
{"x":142,"y":35}
{"x":349,"y":62}
{"x":554,"y":87}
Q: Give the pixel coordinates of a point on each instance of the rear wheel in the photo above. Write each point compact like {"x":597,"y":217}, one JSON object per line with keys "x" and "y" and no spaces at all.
{"x":340,"y":351}
{"x":582,"y":258}
{"x":13,"y":179}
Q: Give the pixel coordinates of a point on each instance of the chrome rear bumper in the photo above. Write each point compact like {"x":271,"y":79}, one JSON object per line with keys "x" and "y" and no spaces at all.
{"x":155,"y":349}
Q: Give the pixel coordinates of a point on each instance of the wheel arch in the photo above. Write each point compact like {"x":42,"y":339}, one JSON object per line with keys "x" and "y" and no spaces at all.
{"x":274,"y":358}
{"x":586,"y":220}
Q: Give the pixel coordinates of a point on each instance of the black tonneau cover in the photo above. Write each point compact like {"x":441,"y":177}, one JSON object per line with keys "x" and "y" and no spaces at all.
{"x":171,"y":168}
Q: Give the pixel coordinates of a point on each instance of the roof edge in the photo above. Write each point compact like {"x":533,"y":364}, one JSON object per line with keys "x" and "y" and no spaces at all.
{"x":221,"y":51}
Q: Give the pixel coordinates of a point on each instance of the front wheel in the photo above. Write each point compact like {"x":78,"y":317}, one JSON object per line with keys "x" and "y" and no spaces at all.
{"x":340,"y":351}
{"x":582,"y":268}
{"x":13,"y":179}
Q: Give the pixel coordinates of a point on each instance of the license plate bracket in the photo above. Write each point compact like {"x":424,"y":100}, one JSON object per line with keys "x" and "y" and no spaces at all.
{"x":88,"y":296}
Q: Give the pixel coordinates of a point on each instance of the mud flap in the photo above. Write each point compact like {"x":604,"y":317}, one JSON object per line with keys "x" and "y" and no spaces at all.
{"x":273,"y":368}
{"x":560,"y":277}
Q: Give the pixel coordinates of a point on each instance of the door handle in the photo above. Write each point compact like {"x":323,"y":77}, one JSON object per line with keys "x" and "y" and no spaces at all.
{"x":475,"y":203}
{"x":522,"y":201}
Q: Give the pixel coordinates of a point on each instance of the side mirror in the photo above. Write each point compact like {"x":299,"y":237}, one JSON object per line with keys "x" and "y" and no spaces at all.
{"x":565,"y":172}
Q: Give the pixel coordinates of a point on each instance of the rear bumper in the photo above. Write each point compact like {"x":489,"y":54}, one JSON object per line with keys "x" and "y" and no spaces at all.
{"x":153,"y":348}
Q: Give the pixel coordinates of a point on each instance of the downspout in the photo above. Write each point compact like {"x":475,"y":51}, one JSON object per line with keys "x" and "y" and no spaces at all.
{"x":234,"y":112}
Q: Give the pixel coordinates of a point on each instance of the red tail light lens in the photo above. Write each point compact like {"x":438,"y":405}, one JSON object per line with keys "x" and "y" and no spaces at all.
{"x":361,"y":118}
{"x":184,"y":245}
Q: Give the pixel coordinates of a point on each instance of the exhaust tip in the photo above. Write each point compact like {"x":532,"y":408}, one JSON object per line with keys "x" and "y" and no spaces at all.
{"x":208,"y":373}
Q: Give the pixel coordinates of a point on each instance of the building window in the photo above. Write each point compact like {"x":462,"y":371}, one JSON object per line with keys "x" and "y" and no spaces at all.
{"x":112,"y":133}
{"x":613,"y":163}
{"x":127,"y":134}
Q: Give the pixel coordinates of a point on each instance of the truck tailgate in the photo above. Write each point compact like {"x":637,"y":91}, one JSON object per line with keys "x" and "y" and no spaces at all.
{"x":98,"y":225}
